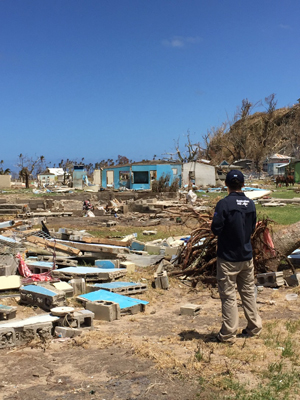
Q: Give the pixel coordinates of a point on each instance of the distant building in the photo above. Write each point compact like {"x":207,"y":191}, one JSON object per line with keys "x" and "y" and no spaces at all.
{"x":276,"y":160}
{"x":245,"y":164}
{"x":78,"y":176}
{"x":51,"y":176}
{"x":5,"y":181}
{"x":139,"y":175}
{"x":199,"y":174}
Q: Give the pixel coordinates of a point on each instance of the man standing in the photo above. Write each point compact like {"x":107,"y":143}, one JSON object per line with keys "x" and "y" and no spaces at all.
{"x":234,"y":222}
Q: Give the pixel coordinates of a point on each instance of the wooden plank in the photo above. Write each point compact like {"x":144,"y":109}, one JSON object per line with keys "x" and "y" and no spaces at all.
{"x":53,"y":244}
{"x":18,"y":223}
{"x":95,"y":248}
{"x":112,"y":242}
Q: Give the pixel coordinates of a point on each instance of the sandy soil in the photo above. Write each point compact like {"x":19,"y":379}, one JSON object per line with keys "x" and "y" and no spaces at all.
{"x":147,"y":356}
{"x":158,"y":354}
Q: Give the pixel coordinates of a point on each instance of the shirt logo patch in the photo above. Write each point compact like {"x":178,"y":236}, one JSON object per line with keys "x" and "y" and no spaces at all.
{"x":242,"y":202}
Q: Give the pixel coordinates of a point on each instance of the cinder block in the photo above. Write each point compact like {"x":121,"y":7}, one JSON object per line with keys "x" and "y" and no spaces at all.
{"x":75,"y":238}
{"x":7,"y":312}
{"x":63,"y":332}
{"x":85,"y":318}
{"x":39,"y":267}
{"x":82,"y":319}
{"x":151,"y":201}
{"x":161,"y":280}
{"x":128,"y":305}
{"x":7,"y":337}
{"x":9,"y":261}
{"x":104,"y":310}
{"x":171,"y":251}
{"x":64,"y":261}
{"x":45,"y":297}
{"x":64,"y":287}
{"x":79,"y":285}
{"x":42,"y":331}
{"x":270,"y":279}
{"x":111,"y":223}
{"x":20,"y":335}
{"x":124,"y":208}
{"x":152,"y":249}
{"x":190,"y":309}
{"x":130,"y":266}
{"x":127,"y":288}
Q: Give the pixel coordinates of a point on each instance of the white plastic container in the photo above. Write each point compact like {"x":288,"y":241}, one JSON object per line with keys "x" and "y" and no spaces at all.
{"x":291,"y":296}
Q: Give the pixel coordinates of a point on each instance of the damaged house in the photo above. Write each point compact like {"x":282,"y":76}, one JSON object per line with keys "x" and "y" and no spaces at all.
{"x":140,"y":175}
{"x":51,"y":176}
{"x":198,"y":173}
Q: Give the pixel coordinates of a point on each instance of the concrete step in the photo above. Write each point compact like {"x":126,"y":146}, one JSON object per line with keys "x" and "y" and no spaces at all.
{"x":11,"y":206}
{"x":9,"y":211}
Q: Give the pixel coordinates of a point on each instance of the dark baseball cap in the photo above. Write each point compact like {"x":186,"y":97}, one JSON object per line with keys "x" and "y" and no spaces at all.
{"x":234,"y":174}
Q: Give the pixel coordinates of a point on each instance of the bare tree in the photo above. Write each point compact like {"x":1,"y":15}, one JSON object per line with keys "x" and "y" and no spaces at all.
{"x":27,"y":167}
{"x":190,"y":152}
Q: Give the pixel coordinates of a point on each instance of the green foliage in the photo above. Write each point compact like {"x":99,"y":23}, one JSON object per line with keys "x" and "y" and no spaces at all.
{"x":199,"y":355}
{"x":280,"y":385}
{"x":288,"y":350}
{"x":292,"y":326}
{"x":285,"y":215}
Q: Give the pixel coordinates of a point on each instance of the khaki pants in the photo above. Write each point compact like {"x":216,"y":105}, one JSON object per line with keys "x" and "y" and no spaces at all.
{"x":228,"y":275}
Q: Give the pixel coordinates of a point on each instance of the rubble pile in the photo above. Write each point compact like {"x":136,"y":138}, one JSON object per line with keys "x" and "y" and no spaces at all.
{"x":75,"y":277}
{"x":197,"y":261}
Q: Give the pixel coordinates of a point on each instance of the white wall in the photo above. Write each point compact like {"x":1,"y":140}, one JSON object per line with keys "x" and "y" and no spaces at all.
{"x":97,"y":177}
{"x":205,"y":175}
{"x":5,"y":181}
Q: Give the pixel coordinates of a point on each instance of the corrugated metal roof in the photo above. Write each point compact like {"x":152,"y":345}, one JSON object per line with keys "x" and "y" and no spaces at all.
{"x":276,"y":155}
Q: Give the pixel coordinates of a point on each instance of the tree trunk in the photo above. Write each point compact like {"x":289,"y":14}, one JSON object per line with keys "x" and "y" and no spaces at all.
{"x":287,"y":240}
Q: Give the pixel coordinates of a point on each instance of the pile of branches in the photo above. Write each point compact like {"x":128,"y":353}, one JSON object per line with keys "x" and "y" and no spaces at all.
{"x":197,"y":261}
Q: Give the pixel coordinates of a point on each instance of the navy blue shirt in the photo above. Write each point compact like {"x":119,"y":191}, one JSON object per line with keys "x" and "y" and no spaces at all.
{"x":234,"y":222}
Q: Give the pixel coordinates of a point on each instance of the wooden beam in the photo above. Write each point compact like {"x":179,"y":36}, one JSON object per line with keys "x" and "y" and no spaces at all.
{"x":53,"y":245}
{"x":112,"y":242}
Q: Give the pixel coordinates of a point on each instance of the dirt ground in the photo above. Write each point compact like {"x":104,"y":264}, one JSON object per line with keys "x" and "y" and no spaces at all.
{"x":150,"y":355}
{"x":158,"y":354}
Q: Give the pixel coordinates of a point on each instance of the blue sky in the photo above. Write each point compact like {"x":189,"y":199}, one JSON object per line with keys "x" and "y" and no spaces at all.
{"x":95,"y":78}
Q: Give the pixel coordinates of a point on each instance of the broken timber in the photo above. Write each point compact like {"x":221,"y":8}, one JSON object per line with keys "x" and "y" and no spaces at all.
{"x":53,"y":245}
{"x":94,"y":248}
{"x":112,"y":242}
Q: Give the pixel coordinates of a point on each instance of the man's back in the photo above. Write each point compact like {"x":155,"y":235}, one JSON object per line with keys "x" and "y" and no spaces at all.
{"x":234,"y":222}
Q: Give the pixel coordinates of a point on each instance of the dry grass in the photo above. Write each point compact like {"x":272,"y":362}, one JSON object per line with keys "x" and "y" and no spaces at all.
{"x":247,"y":363}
